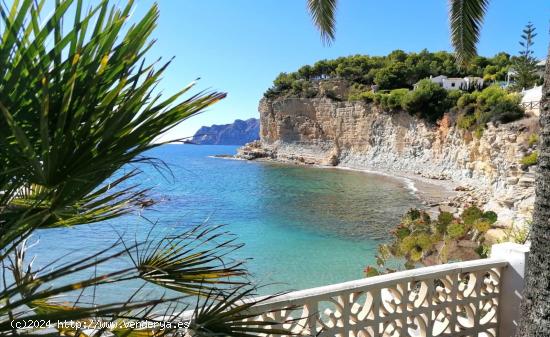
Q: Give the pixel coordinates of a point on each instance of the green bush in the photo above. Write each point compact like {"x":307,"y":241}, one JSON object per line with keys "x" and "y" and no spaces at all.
{"x":453,"y":96}
{"x":533,"y":139}
{"x":478,"y":131}
{"x":428,"y":100}
{"x":394,"y":99}
{"x":506,"y":111}
{"x":465,"y":121}
{"x":490,"y":216}
{"x":402,"y":232}
{"x":530,"y":159}
{"x":467,"y":99}
{"x":417,"y":236}
{"x":356,"y":91}
{"x":491,"y":95}
{"x":498,"y":105}
{"x":493,"y":104}
{"x":413,"y":214}
{"x":470,"y":215}
{"x":445,"y":218}
{"x":482,"y":225}
{"x":456,"y":230}
{"x":443,"y":221}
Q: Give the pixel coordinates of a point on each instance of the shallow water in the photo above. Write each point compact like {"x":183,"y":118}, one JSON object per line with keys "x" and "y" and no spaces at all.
{"x":303,"y":226}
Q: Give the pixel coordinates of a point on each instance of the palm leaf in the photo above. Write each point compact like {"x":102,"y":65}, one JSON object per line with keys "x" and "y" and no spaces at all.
{"x":323,"y":14}
{"x":76,"y":110}
{"x":193,"y":263}
{"x":466,"y":17}
{"x":234,"y":314}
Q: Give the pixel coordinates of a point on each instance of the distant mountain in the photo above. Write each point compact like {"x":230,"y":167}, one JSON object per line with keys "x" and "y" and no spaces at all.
{"x":238,"y":133}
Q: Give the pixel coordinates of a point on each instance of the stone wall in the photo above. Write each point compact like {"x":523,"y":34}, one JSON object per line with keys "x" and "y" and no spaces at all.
{"x":358,"y":135}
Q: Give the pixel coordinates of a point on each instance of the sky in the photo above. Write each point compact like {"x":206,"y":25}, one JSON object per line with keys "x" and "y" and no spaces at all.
{"x":240,"y":46}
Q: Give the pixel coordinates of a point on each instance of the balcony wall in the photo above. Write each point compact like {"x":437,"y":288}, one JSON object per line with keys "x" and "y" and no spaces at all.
{"x":476,"y":298}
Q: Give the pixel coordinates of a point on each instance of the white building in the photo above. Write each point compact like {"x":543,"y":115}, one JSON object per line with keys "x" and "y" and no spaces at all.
{"x":456,"y":83}
{"x":530,"y":100}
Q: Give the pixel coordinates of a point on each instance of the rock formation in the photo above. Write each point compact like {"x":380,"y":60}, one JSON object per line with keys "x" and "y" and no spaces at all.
{"x":238,"y":133}
{"x":325,"y":131}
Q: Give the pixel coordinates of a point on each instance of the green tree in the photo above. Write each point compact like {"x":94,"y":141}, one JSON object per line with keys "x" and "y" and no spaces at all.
{"x":525,"y":66}
{"x":78,"y":108}
{"x":466,"y":17}
{"x":428,"y":100}
{"x":392,"y":77}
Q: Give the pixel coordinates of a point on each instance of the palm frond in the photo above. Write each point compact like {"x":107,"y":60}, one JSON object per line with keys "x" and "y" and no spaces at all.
{"x":38,"y":294}
{"x":78,"y":105}
{"x":466,"y":18}
{"x":194,"y":262}
{"x":234,"y":314}
{"x":323,"y":14}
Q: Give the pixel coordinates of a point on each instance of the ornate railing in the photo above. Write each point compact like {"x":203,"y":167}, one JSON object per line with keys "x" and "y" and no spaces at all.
{"x":458,"y":299}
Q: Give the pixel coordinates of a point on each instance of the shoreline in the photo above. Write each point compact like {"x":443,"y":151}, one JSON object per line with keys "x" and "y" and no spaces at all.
{"x":432,"y":193}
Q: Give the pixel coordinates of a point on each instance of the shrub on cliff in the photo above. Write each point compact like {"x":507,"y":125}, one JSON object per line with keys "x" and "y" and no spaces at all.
{"x":419,"y":238}
{"x":530,"y":159}
{"x":533,"y":140}
{"x":496,"y":104}
{"x":429,"y":100}
{"x":365,"y":96}
{"x":507,"y":111}
{"x":493,"y":104}
{"x":394,"y":99}
{"x":465,"y":121}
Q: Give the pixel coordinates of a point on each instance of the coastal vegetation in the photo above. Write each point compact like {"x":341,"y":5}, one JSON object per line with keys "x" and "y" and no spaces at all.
{"x":419,"y":239}
{"x":530,"y":159}
{"x":493,"y":104}
{"x":388,"y":82}
{"x":396,"y":70}
{"x":79,"y":109}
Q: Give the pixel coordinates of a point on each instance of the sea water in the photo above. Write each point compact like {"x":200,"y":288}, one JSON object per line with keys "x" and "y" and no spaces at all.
{"x":301,"y":226}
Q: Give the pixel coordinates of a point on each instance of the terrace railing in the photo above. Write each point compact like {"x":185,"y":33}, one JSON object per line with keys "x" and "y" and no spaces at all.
{"x":530,"y":105}
{"x":474,"y":298}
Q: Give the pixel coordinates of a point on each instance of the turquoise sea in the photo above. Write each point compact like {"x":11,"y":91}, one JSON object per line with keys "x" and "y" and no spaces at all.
{"x":302,"y":226}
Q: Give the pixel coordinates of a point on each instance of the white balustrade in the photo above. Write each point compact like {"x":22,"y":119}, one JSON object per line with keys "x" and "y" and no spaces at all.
{"x":457,"y":299}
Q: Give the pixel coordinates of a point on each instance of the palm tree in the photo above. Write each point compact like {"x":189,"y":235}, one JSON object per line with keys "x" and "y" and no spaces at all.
{"x":78,"y":108}
{"x":466,"y":17}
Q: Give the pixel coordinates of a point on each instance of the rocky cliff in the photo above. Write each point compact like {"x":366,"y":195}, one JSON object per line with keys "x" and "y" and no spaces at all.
{"x":238,"y":133}
{"x":358,"y":135}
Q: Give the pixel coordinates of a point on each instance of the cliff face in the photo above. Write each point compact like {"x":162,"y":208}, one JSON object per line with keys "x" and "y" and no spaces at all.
{"x":358,"y":135}
{"x":238,"y":133}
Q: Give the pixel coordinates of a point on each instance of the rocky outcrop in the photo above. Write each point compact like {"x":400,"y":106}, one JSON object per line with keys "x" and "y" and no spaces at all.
{"x":323,"y":131}
{"x":238,"y":133}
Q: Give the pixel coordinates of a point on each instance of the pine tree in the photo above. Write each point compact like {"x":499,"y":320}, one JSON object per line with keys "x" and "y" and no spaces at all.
{"x":525,"y":65}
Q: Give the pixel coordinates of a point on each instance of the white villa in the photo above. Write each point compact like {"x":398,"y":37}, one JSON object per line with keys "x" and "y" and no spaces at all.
{"x":455,"y":83}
